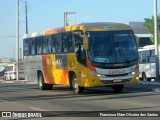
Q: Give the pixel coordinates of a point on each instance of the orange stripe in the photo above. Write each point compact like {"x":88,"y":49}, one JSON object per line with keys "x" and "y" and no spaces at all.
{"x":90,"y":66}
{"x":45,"y":69}
{"x":64,"y":77}
{"x":51,"y":31}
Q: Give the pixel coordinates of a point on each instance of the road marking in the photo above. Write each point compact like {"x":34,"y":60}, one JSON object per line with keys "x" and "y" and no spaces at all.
{"x":34,"y":108}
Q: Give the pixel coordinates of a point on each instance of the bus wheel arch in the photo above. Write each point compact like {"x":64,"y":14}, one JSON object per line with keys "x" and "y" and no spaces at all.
{"x":74,"y":83}
{"x":41,"y":82}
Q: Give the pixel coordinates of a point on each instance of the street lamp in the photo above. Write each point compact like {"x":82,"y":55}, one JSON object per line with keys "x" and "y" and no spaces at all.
{"x":17,"y":39}
{"x":156,"y":40}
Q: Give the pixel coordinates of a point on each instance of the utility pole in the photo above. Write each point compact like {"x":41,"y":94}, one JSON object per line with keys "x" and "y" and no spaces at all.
{"x":17,"y":40}
{"x":156,"y":40}
{"x":26,"y":17}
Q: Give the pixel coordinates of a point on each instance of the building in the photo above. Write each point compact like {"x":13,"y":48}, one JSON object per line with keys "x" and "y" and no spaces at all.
{"x":141,"y":32}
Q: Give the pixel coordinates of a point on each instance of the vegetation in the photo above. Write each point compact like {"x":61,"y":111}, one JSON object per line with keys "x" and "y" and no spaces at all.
{"x":149,"y":24}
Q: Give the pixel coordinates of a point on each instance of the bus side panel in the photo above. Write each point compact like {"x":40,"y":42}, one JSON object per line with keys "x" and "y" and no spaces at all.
{"x":85,"y":79}
{"x":31,"y":65}
{"x":47,"y":67}
{"x":54,"y":69}
{"x":61,"y":65}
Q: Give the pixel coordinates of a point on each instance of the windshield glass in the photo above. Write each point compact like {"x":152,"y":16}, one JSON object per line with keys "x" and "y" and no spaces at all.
{"x":112,"y":47}
{"x":9,"y":68}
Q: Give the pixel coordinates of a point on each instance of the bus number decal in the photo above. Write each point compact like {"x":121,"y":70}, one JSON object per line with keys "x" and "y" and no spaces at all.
{"x":50,"y":61}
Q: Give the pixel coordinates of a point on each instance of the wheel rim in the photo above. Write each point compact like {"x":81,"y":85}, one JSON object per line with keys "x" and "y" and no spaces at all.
{"x":40,"y":82}
{"x":75,"y":86}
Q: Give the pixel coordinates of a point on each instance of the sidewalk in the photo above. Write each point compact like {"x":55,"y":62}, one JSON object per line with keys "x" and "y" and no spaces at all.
{"x":145,"y":85}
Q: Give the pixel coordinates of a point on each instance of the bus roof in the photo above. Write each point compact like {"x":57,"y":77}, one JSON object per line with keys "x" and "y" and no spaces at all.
{"x":99,"y":26}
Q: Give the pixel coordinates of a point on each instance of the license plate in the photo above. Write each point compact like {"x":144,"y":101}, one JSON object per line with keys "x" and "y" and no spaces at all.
{"x":117,"y":80}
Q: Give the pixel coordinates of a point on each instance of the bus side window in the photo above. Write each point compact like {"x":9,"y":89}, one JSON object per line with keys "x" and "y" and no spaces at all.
{"x":71,"y":42}
{"x":32,"y":46}
{"x":80,"y":52}
{"x":49,"y":44}
{"x":65,"y":42}
{"x":44,"y":45}
{"x":68,"y":42}
{"x":26,"y":47}
{"x":39,"y":45}
{"x":53,"y":43}
{"x":58,"y":43}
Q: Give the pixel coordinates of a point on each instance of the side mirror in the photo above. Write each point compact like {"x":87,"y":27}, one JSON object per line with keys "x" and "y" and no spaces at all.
{"x":85,"y":42}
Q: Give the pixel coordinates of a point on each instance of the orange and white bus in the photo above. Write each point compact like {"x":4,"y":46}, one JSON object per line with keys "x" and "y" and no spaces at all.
{"x":82,"y":55}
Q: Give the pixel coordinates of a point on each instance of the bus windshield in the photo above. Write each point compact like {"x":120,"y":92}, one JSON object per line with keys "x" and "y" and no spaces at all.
{"x":9,"y":68}
{"x":112,"y":47}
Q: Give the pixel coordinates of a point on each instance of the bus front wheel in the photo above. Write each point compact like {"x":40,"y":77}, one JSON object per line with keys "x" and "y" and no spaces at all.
{"x":42,"y":84}
{"x":118,"y":88}
{"x":76,"y":88}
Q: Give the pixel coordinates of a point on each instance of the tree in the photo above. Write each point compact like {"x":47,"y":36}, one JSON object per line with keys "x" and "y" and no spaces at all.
{"x":149,"y":24}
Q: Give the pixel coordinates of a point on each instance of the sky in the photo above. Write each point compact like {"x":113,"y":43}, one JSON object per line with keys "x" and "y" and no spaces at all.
{"x":45,"y":14}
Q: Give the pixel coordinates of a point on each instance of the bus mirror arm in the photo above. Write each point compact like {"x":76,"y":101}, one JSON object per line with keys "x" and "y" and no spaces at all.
{"x":85,"y":42}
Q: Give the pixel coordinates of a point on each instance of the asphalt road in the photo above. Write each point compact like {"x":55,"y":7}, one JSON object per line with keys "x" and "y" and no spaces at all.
{"x":27,"y":97}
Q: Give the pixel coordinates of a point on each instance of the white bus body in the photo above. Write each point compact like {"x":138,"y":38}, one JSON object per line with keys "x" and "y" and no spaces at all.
{"x":10,"y":72}
{"x":147,"y":63}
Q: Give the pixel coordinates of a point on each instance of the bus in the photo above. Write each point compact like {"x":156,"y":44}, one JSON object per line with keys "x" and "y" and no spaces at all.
{"x":10,"y":72}
{"x":82,"y":56}
{"x":147,"y":63}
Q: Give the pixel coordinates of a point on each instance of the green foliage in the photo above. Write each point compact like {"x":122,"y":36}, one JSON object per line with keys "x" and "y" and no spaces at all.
{"x":149,"y":24}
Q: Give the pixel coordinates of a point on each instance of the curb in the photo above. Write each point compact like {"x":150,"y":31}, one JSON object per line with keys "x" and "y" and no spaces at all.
{"x":15,"y":81}
{"x":145,"y":86}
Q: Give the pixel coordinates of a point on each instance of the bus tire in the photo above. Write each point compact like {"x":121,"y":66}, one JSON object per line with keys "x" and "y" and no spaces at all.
{"x":117,"y":88}
{"x":144,"y":77}
{"x":42,"y":84}
{"x":76,"y":88}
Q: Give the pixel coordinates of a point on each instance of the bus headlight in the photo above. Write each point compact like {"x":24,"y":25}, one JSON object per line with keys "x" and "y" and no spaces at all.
{"x":96,"y":74}
{"x":133,"y":73}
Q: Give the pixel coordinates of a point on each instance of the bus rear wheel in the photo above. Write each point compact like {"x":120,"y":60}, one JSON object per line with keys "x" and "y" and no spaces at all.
{"x":42,"y":84}
{"x":76,"y":88}
{"x":118,"y":88}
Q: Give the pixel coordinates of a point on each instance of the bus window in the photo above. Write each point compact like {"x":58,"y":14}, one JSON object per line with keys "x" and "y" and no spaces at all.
{"x":32,"y":46}
{"x":68,"y":42}
{"x":153,"y":52}
{"x":65,"y":42}
{"x":78,"y":40}
{"x":49,"y":44}
{"x":46,"y":45}
{"x":39,"y":45}
{"x":58,"y":43}
{"x":152,"y":59}
{"x":53,"y":43}
{"x":45,"y":42}
{"x":26,"y":47}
